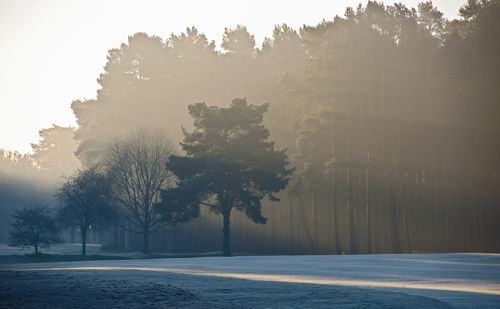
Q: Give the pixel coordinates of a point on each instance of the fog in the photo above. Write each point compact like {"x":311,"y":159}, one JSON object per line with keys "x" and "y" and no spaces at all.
{"x":389,"y":116}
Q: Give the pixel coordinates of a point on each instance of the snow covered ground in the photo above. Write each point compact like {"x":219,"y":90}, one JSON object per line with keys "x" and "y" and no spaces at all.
{"x":359,"y":281}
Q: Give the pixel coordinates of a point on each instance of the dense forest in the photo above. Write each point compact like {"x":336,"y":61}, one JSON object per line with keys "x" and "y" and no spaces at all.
{"x":389,"y":116}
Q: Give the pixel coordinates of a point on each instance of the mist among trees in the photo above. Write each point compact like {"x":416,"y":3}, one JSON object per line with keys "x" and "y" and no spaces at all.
{"x":388,"y":116}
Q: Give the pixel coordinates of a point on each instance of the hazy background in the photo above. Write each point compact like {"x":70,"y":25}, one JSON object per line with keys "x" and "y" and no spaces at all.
{"x":389,"y":114}
{"x":41,"y":39}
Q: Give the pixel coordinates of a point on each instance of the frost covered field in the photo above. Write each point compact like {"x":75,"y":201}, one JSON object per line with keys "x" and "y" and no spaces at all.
{"x":357,"y":281}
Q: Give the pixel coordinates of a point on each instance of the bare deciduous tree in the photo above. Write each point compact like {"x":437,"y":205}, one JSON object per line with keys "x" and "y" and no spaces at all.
{"x":84,"y":199}
{"x":136,"y":165}
{"x":33,"y":227}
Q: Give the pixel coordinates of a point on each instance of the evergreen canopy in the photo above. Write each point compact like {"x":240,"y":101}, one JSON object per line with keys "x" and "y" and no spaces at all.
{"x":229,"y":164}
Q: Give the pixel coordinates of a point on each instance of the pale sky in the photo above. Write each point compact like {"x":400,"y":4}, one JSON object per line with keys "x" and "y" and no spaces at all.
{"x":52,"y":51}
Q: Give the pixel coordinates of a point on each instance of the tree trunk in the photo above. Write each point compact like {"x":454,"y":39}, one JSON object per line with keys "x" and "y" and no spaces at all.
{"x":226,"y":240}
{"x":84,"y":240}
{"x":403,"y":202}
{"x":382,"y":85}
{"x":145,"y":248}
{"x":407,"y":230}
{"x":394,"y":228}
{"x":290,"y":227}
{"x":338,"y":247}
{"x":350,"y":211}
{"x":304,"y":223}
{"x":314,"y":225}
{"x":36,"y":249}
{"x":368,"y":211}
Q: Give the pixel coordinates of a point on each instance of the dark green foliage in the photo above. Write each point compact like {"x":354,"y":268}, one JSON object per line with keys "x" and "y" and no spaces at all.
{"x":229,"y":164}
{"x":85,"y":202}
{"x":33,"y":227}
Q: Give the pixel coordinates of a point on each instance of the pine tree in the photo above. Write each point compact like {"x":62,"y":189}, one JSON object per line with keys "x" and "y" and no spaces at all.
{"x":229,"y":164}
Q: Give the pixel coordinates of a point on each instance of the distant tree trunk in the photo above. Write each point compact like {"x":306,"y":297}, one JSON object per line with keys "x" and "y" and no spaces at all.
{"x":338,"y":247}
{"x":333,"y":195}
{"x":145,"y":248}
{"x":394,"y":229}
{"x":83,"y":230}
{"x":407,"y":230}
{"x":304,"y":222}
{"x":313,"y":218}
{"x":146,"y":230}
{"x":36,"y":249}
{"x":368,"y":211}
{"x":350,"y":211}
{"x":402,"y":204}
{"x":115,"y":236}
{"x":433,"y":199}
{"x":457,"y":200}
{"x":226,"y":241}
{"x":382,"y":85}
{"x":451,"y":211}
{"x":290,"y":227}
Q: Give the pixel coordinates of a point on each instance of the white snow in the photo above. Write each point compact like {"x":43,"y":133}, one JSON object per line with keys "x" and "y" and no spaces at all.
{"x":462,"y":280}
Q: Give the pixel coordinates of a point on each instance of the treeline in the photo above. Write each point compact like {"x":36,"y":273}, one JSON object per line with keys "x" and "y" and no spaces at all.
{"x":27,"y":180}
{"x":19,"y":187}
{"x":389,"y":115}
{"x":142,"y":187}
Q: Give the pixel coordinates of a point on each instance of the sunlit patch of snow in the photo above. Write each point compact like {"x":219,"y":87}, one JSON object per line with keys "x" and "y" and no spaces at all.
{"x":468,"y":286}
{"x":462,"y":280}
